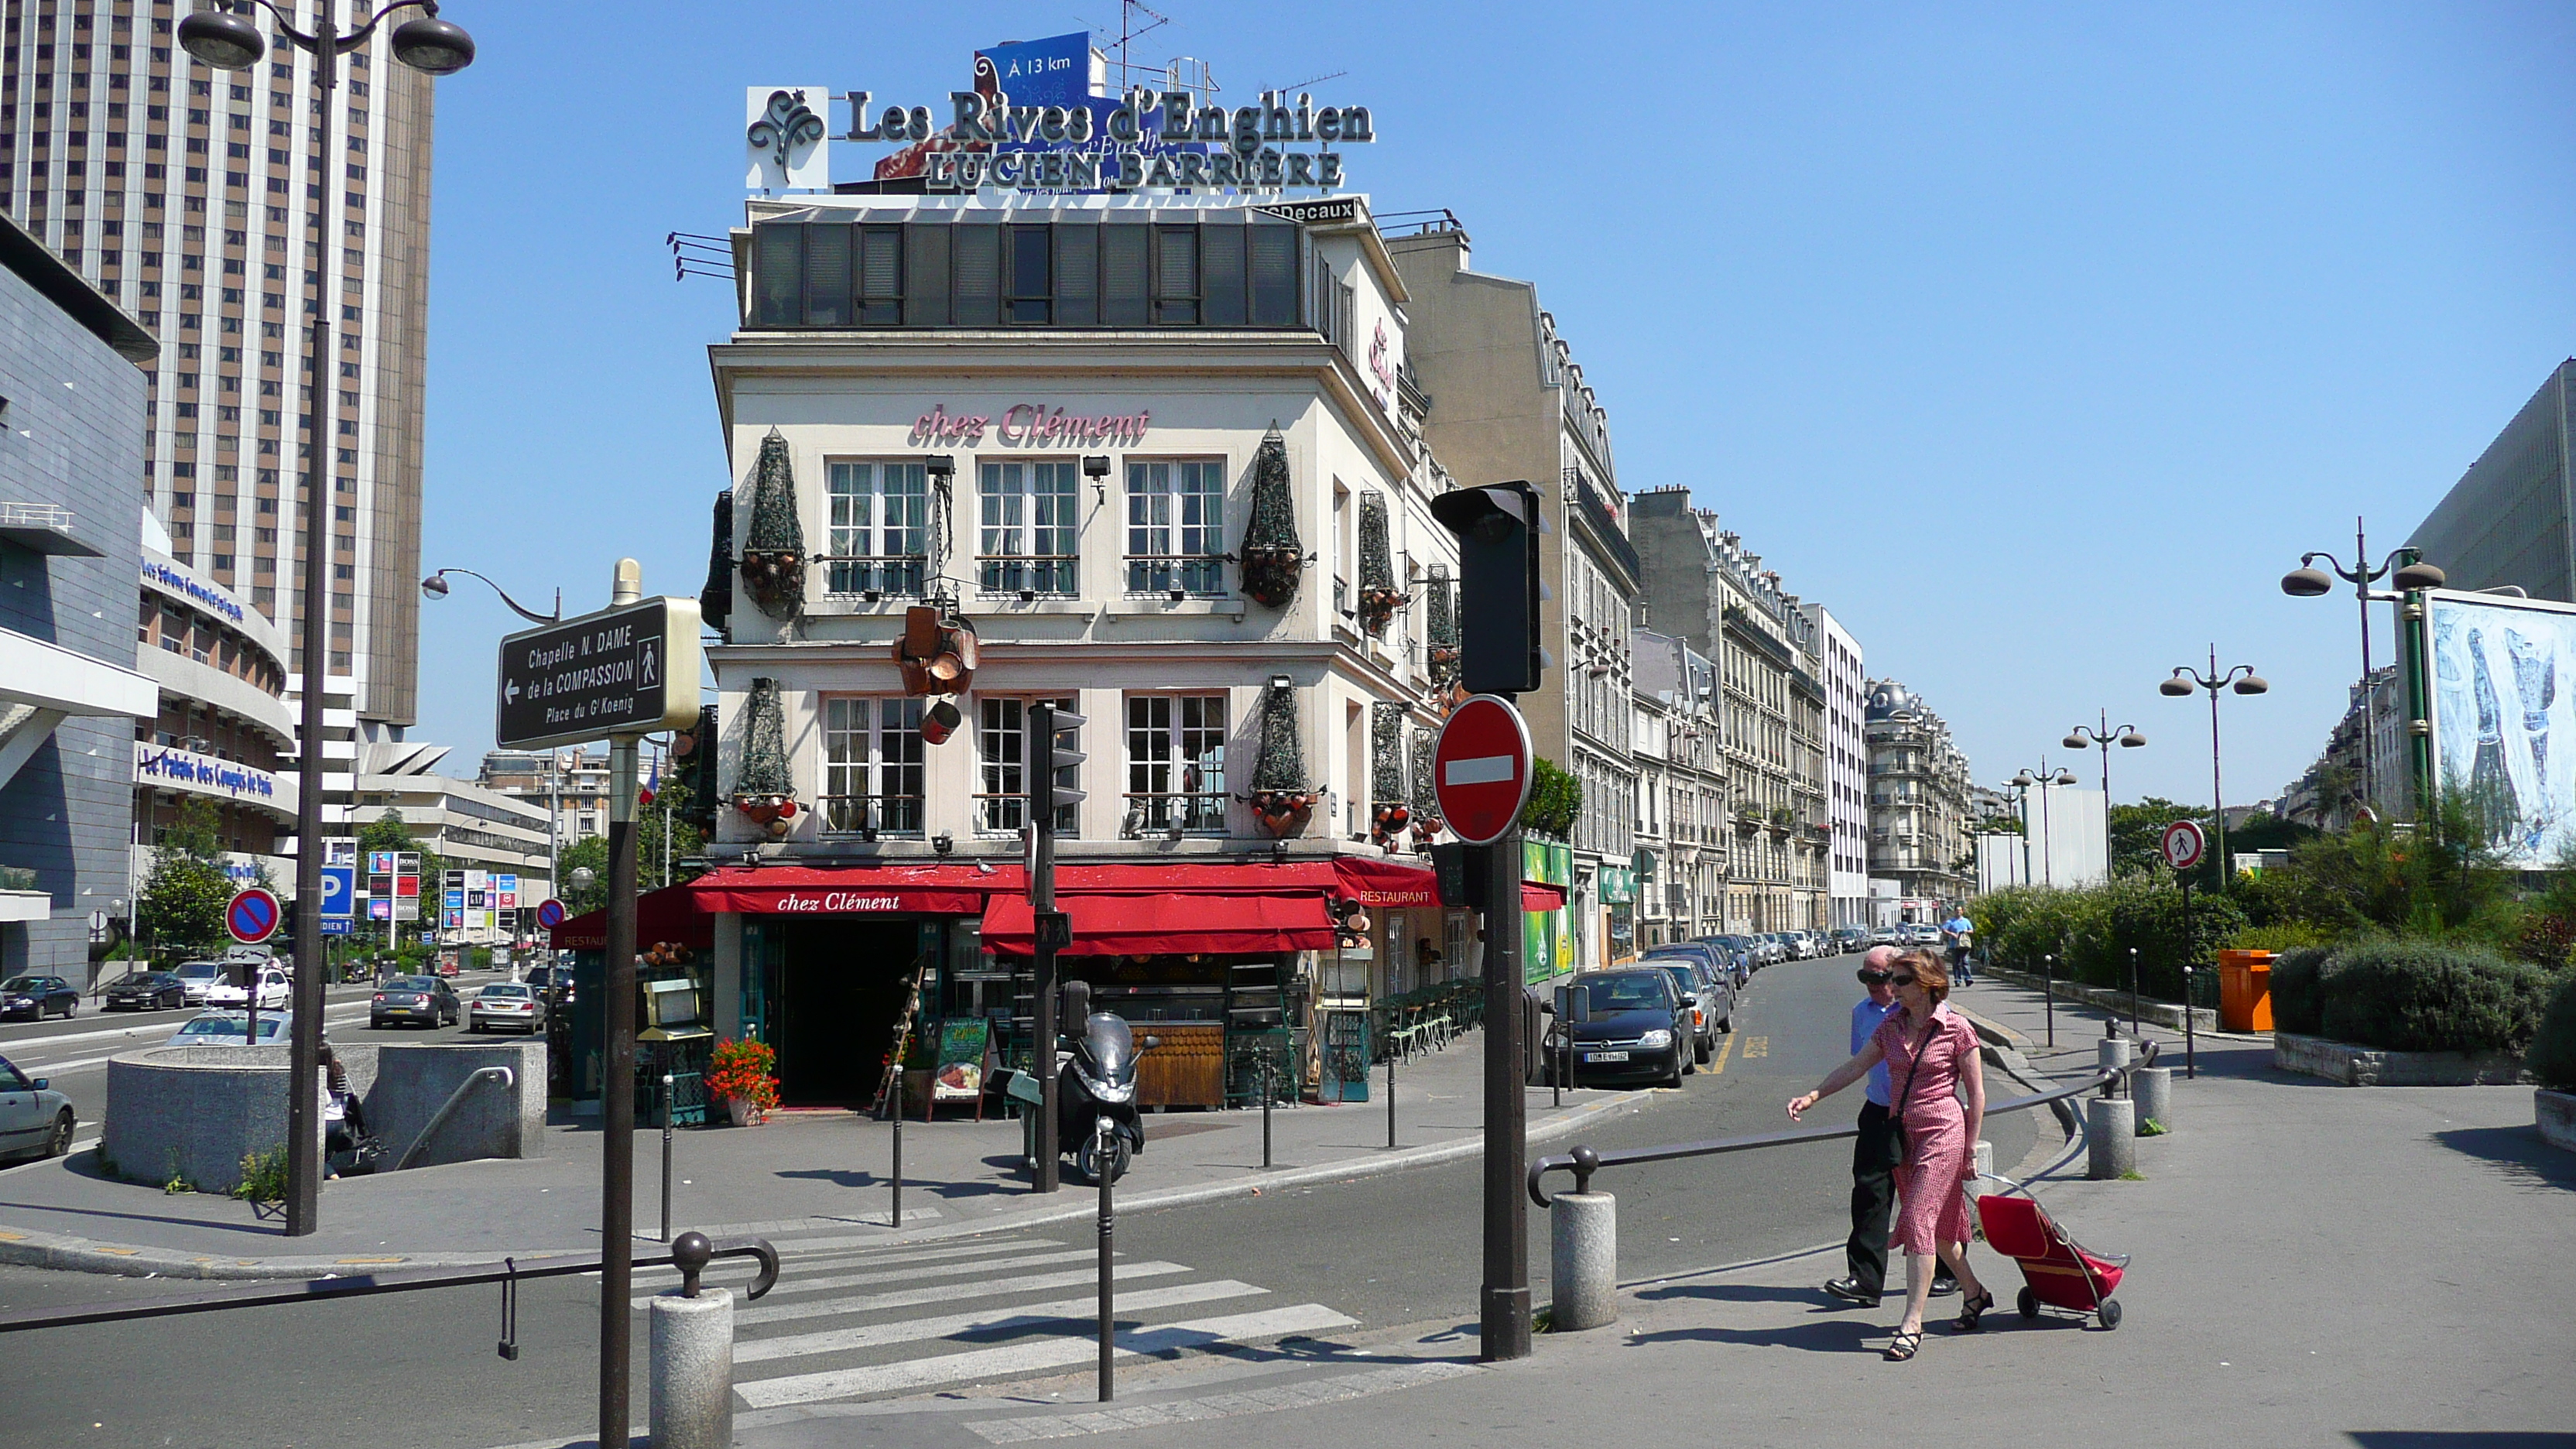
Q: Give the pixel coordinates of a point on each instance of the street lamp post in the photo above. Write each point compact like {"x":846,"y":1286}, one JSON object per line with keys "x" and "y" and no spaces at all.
{"x":2022,"y":784}
{"x":229,"y":39}
{"x":2243,"y":680}
{"x":435,"y":587}
{"x":2126,"y":737}
{"x":2307,"y":581}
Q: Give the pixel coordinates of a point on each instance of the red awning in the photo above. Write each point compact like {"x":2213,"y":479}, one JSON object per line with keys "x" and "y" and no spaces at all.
{"x":942,"y":889}
{"x":1394,"y":885}
{"x":1119,"y":923}
{"x":669,"y":914}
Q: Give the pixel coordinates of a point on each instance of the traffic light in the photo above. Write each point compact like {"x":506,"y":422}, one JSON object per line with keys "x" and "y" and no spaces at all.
{"x":937,"y":655}
{"x":1049,"y":760}
{"x":1498,"y":528}
{"x":694,"y":750}
{"x":1350,"y":924}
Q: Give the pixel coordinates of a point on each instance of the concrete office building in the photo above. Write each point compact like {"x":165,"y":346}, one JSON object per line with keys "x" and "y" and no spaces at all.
{"x":1508,"y":401}
{"x":71,"y":498}
{"x":2506,"y":522}
{"x":187,"y":195}
{"x":1836,"y":664}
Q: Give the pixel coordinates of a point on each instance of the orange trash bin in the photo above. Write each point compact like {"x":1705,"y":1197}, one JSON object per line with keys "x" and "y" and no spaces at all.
{"x":2245,"y":990}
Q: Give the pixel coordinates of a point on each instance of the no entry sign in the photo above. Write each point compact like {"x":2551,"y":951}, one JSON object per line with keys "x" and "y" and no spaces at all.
{"x":1480,"y":770}
{"x":2183,"y":844}
{"x":252,"y":917}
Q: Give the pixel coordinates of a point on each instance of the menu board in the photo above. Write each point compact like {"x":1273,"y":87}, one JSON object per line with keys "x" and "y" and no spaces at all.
{"x":958,"y":1074}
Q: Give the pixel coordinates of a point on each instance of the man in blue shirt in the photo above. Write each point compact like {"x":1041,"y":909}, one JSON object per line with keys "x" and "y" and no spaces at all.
{"x":1960,"y":933}
{"x":1875,"y":1151}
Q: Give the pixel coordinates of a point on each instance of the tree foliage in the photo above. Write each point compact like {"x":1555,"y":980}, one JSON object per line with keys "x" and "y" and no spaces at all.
{"x":1555,"y":801}
{"x":183,"y":899}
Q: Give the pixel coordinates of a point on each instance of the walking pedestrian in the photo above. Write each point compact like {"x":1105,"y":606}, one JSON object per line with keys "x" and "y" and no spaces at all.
{"x":1875,"y":1152}
{"x":1960,"y":933}
{"x":1931,"y":1052}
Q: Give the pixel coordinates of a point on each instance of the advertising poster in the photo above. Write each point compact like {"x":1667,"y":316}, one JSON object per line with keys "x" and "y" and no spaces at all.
{"x":959,"y":1075}
{"x":2504,"y":720}
{"x":1547,"y":947}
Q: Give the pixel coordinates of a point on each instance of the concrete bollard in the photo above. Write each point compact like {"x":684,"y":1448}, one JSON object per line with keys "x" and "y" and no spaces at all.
{"x":692,"y":1371}
{"x":2111,"y":1051}
{"x":1985,"y":1161}
{"x":2152,"y":1089}
{"x":2110,"y":1138}
{"x":1583,"y":1233}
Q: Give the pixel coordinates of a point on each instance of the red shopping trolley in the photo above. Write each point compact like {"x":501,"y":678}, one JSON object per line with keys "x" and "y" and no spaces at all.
{"x":2057,"y":1271}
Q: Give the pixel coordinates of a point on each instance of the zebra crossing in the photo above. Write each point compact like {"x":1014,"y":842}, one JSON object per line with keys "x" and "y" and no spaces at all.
{"x":850,"y":1319}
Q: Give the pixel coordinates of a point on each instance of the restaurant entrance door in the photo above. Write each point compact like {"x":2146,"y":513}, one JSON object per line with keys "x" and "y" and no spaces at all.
{"x":836,"y":990}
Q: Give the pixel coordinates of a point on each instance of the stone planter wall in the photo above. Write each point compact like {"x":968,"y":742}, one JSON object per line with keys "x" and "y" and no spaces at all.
{"x":2557,"y":1114}
{"x":2358,"y":1066}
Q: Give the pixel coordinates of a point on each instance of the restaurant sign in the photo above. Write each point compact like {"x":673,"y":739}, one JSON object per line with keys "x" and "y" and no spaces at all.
{"x":1029,"y":425}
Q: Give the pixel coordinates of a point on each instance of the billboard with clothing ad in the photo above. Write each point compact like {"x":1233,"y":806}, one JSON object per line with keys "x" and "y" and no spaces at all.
{"x":2504,"y":719}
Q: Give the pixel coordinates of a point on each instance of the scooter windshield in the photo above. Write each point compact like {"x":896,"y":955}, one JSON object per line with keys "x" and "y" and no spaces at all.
{"x":1112,"y":1046}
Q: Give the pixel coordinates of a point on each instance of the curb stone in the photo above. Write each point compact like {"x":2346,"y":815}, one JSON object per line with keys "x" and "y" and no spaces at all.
{"x":65,"y":1253}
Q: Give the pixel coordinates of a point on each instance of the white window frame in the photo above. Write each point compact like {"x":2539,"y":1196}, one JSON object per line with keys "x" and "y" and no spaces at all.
{"x":1002,"y":742}
{"x":1029,"y":521}
{"x":868,"y":546}
{"x":1176,"y":769}
{"x":1176,"y":526}
{"x":872,"y":749}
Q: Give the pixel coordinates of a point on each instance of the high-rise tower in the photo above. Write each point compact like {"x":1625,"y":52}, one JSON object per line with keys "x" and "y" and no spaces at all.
{"x":186,"y":195}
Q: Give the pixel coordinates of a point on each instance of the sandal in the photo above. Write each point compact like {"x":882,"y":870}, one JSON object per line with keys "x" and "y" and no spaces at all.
{"x":1903,"y":1346}
{"x":1971,"y":1310}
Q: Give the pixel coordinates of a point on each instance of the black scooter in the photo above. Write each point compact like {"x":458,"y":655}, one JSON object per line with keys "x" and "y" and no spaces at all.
{"x":1096,"y":1089}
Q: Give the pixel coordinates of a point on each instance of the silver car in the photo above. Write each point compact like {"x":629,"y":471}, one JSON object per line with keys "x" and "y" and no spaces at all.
{"x":34,"y":1118}
{"x":198,"y":978}
{"x":506,"y":1004}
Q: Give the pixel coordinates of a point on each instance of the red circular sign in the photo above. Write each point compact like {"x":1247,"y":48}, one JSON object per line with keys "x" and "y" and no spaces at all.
{"x":1481,"y":769}
{"x":252,"y":917}
{"x":2183,"y":844}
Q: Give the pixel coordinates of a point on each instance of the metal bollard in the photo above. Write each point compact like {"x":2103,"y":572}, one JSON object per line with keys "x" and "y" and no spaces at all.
{"x":1105,"y":1146}
{"x":1583,"y":1252}
{"x":2133,"y":991}
{"x":2151,"y":1088}
{"x":2190,"y":1068}
{"x":666,"y":1157}
{"x":2110,"y":1138}
{"x":690,"y":1366}
{"x":2048,"y":984}
{"x":1268,"y":1091}
{"x":1390,"y":1096}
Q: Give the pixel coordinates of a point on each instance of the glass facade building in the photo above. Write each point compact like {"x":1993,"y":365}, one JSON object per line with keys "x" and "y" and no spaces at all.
{"x":2507,"y":520}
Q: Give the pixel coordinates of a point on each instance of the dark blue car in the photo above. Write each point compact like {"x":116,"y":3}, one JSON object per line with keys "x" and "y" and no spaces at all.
{"x":1640,"y":1027}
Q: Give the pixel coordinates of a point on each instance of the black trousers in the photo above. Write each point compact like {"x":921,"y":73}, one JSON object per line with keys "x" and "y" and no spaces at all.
{"x":1874,"y":1157}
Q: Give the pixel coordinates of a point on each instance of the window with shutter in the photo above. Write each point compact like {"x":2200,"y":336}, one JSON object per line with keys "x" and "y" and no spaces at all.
{"x":1176,"y":276}
{"x":1122,"y":276}
{"x":881,"y":276}
{"x":1077,"y":276}
{"x":926,"y":276}
{"x":979,"y":276}
{"x":827,"y":276}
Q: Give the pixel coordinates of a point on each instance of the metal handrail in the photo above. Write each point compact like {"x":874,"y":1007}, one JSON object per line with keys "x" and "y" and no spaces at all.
{"x":317,"y":1290}
{"x":438,"y":1119}
{"x":1584,"y":1161}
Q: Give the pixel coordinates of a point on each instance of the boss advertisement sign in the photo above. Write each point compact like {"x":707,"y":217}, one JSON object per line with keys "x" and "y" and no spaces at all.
{"x":628,"y":670}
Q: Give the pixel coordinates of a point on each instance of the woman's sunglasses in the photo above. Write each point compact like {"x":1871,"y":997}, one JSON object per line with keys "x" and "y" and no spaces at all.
{"x":1900,"y":981}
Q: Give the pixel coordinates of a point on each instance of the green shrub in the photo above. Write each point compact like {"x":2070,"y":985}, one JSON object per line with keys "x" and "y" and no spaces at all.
{"x":2286,"y":936}
{"x":263,"y":1176}
{"x":2552,"y":1054}
{"x":2298,"y":1006}
{"x":2147,"y":915}
{"x":2416,"y":996}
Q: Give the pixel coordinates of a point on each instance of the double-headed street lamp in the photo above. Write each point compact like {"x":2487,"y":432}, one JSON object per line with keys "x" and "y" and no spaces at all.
{"x":2126,"y":737}
{"x":2021,"y":786}
{"x":2307,"y":581}
{"x":229,"y":39}
{"x":2243,"y":680}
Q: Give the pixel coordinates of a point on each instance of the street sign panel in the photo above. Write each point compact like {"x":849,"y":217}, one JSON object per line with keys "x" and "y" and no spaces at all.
{"x":2183,"y":844}
{"x":252,"y":916}
{"x":1053,"y":929}
{"x":1480,"y":769}
{"x":339,"y":926}
{"x":551,"y":913}
{"x":632,"y":669}
{"x":339,"y":892}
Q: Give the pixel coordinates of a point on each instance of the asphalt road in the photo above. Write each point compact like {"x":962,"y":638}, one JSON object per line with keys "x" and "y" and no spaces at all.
{"x":1394,"y":1250}
{"x":72,"y":1054}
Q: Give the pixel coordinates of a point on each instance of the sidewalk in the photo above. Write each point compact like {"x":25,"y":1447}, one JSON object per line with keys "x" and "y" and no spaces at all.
{"x":803,"y":1172}
{"x":2313,"y":1265}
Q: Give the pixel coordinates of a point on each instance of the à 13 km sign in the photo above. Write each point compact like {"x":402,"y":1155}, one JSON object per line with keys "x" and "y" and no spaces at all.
{"x":627,"y":670}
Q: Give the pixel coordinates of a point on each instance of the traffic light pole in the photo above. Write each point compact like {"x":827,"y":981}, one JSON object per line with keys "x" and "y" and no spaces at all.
{"x":1504,"y":1307}
{"x":1041,"y":812}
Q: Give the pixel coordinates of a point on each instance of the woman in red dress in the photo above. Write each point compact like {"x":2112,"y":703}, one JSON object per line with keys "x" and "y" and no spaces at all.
{"x":1930,"y":1051}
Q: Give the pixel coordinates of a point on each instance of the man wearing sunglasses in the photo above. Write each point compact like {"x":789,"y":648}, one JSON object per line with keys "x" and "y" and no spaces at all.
{"x":1874,"y":1152}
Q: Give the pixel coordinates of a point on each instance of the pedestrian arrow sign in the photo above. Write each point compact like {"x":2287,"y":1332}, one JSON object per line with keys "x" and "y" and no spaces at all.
{"x":632,"y":669}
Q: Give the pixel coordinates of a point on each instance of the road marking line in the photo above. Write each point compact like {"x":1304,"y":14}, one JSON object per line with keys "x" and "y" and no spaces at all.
{"x":1215,"y":1406}
{"x":1050,"y":1317}
{"x":1756,"y":1046}
{"x":1725,"y":1050}
{"x":765,"y":1312}
{"x":1027,"y":1358}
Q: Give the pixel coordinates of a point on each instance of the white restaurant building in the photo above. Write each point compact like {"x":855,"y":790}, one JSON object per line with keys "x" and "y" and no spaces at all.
{"x":1161,"y":455}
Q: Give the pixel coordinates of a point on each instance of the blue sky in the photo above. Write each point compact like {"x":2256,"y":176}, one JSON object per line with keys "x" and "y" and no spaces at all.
{"x":2035,"y":341}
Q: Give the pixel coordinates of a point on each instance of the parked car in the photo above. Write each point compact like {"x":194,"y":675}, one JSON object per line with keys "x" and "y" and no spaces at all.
{"x":1712,"y":999}
{"x":549,"y":979}
{"x":1850,"y":939}
{"x":424,"y":999}
{"x":34,"y":1118}
{"x":1887,"y":936}
{"x":38,"y":997}
{"x":231,"y":1028}
{"x":1731,"y":950}
{"x":274,"y":988}
{"x":199,"y":977}
{"x":505,"y":1003}
{"x":1779,"y":948}
{"x":1640,"y":1026}
{"x":1923,"y":935}
{"x":144,"y":991}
